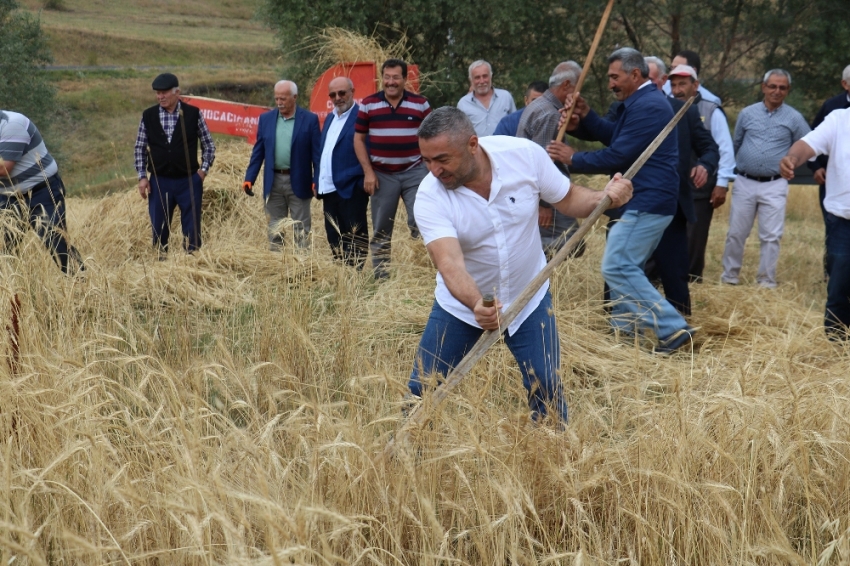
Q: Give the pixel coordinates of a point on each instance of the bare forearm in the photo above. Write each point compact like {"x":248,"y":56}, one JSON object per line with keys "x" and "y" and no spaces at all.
{"x":580,"y":202}
{"x":800,"y":152}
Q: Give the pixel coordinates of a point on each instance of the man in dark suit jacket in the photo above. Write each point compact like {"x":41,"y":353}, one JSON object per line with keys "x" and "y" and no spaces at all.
{"x":288,"y":143}
{"x":339,"y":179}
{"x":818,"y":166}
{"x":644,"y":113}
{"x":699,"y":159}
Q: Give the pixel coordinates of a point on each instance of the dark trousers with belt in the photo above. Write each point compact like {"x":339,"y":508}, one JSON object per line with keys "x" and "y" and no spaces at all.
{"x":168,"y":194}
{"x":837,"y":316}
{"x":346,"y":226}
{"x":43,"y":208}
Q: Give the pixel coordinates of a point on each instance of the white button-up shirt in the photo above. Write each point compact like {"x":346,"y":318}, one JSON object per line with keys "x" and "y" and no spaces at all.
{"x":832,"y":137}
{"x":326,"y":177}
{"x":499,"y":237}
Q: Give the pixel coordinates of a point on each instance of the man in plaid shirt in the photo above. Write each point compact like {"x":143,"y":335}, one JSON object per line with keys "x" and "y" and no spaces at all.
{"x":167,"y":146}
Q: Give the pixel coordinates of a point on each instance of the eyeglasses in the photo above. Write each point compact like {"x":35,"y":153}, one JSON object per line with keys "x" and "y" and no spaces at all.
{"x":339,"y":93}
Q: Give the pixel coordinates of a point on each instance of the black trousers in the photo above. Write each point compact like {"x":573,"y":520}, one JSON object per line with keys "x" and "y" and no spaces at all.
{"x":346,"y":226}
{"x":698,"y":238}
{"x":669,"y":263}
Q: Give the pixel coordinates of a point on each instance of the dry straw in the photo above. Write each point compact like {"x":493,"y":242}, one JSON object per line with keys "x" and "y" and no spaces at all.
{"x":227,"y":408}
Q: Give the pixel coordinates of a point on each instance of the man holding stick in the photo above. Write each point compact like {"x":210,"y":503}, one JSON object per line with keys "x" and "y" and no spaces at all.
{"x":477,"y":212}
{"x":631,"y":240}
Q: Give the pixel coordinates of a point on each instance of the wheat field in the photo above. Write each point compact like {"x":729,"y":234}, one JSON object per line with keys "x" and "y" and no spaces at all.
{"x":231,"y":407}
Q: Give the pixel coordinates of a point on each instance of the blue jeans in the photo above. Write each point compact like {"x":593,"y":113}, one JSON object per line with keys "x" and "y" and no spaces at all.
{"x":535,"y":347}
{"x":166,"y":195}
{"x":637,"y":304}
{"x":837,"y":317}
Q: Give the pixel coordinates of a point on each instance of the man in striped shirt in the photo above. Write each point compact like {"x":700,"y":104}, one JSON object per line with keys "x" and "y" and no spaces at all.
{"x":31,"y":188}
{"x":387,"y":148}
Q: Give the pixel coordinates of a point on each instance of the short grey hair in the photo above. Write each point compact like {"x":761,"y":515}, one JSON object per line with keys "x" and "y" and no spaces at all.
{"x":293,"y":88}
{"x":446,"y":120}
{"x":565,"y":71}
{"x":478,"y":64}
{"x":845,"y":76}
{"x":630,"y":59}
{"x":780,"y":72}
{"x":659,"y":64}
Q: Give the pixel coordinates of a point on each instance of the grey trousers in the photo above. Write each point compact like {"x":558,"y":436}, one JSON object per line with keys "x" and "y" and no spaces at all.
{"x":282,"y":203}
{"x":750,"y":199}
{"x":391,"y":187}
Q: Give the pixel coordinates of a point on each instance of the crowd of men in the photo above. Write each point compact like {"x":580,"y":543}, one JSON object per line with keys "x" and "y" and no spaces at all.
{"x":499,"y":196}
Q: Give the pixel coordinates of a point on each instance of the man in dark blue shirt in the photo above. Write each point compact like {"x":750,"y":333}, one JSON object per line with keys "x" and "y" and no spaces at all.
{"x":631,"y":240}
{"x":508,"y":125}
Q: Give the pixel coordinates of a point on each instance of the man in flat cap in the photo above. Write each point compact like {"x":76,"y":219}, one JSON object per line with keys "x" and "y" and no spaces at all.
{"x":167,"y":146}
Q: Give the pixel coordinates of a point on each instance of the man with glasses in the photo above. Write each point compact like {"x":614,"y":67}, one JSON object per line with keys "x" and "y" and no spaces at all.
{"x":339,"y":179}
{"x":288,"y":143}
{"x":763,"y":134}
{"x":387,"y":147}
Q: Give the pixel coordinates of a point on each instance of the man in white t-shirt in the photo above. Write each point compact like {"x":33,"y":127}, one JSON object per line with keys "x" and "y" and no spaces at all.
{"x":831,"y":138}
{"x":477,"y":212}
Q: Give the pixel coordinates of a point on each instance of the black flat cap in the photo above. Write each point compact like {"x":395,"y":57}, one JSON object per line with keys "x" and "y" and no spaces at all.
{"x":165,"y":81}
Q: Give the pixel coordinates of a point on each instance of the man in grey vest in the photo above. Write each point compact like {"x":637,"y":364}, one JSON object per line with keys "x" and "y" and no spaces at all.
{"x":684,"y":83}
{"x":539,"y":123}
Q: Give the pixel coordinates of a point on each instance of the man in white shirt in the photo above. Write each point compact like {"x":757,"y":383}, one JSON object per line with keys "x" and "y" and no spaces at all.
{"x":339,"y":179}
{"x":478,"y":210}
{"x":831,"y":138}
{"x":485,"y":105}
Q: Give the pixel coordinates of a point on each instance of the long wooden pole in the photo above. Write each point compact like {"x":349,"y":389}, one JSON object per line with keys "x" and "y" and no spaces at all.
{"x":422,"y":414}
{"x":596,"y":39}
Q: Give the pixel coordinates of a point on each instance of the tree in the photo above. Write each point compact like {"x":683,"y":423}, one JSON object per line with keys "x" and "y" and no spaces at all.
{"x":23,"y":49}
{"x":522,"y":40}
{"x":737,"y":39}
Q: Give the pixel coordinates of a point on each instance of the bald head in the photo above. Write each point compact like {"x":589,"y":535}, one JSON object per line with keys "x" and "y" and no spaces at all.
{"x":341,"y":93}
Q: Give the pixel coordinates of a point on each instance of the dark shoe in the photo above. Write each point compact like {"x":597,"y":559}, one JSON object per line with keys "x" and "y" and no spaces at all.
{"x":669,"y":345}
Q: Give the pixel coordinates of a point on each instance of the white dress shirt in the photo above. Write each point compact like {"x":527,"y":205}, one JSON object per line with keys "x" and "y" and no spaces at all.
{"x":326,"y":177}
{"x":720,"y":132}
{"x":832,"y":137}
{"x":499,"y":237}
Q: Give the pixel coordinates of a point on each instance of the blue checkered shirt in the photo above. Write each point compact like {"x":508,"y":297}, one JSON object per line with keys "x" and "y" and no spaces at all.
{"x":763,"y":137}
{"x":169,"y":122}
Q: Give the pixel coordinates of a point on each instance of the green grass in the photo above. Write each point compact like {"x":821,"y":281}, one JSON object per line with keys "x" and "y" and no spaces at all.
{"x":216,"y":47}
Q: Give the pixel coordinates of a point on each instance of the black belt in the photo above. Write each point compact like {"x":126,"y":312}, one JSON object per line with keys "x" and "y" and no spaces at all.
{"x":282,"y":171}
{"x":759,"y":179}
{"x":39,"y":186}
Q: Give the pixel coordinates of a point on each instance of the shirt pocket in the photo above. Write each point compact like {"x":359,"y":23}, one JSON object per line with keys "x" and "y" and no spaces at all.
{"x":521,"y":208}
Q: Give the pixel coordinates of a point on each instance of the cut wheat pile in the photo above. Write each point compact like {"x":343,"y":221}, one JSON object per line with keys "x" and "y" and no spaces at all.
{"x":229,"y":407}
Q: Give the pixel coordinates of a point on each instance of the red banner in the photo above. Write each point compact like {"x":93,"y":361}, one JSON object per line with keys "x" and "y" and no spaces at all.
{"x":230,"y":118}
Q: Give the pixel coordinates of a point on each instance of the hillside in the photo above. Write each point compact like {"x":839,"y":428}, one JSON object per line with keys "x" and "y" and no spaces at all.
{"x":107,"y":52}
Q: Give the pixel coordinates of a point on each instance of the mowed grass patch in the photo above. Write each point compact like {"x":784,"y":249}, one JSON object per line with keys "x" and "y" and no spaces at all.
{"x":209,"y":32}
{"x":80,"y":47}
